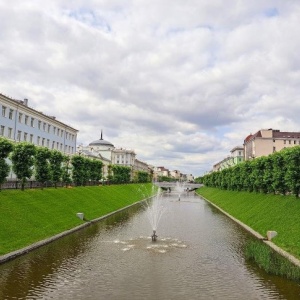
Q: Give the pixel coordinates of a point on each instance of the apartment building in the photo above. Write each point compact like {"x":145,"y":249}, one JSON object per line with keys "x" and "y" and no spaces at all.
{"x":267,"y":141}
{"x":21,"y":123}
{"x":236,"y":157}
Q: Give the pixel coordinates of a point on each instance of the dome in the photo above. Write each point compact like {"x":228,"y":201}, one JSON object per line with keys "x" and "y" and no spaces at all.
{"x":101,"y":142}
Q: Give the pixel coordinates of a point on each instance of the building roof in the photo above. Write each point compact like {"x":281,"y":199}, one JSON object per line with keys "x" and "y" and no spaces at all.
{"x":101,"y":142}
{"x":277,"y":134}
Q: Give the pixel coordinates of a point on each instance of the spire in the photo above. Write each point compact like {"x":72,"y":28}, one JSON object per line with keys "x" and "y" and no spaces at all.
{"x":101,"y":135}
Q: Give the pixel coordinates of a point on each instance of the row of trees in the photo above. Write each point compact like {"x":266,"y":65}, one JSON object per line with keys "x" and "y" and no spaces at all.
{"x":46,"y":165}
{"x":276,"y":173}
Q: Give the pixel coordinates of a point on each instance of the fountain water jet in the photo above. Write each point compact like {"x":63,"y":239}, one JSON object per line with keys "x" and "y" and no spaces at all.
{"x":154,"y":212}
{"x":180,"y":187}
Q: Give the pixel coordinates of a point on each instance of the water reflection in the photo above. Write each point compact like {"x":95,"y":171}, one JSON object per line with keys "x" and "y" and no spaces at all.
{"x":198,"y":255}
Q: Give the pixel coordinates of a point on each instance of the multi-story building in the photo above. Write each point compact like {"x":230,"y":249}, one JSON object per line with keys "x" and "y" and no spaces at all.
{"x":19,"y":122}
{"x":108,"y":154}
{"x":236,"y":157}
{"x":268,"y":141}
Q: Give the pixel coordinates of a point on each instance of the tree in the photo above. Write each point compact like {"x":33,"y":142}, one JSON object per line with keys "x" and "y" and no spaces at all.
{"x":96,"y":170}
{"x":42,"y":166}
{"x":56,"y":169}
{"x":22,"y":159}
{"x":121,"y":174}
{"x":292,"y":175}
{"x":5,"y":148}
{"x":66,"y":176}
{"x":279,"y":171}
{"x":78,"y":169}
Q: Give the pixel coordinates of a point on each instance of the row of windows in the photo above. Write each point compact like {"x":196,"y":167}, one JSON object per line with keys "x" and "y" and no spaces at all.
{"x":22,"y":118}
{"x":40,"y":141}
{"x":289,"y":141}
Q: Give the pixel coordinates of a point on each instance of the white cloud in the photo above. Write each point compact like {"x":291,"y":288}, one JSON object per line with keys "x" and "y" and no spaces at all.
{"x":180,"y":83}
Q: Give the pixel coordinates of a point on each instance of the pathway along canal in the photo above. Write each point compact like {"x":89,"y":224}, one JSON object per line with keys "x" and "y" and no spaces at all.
{"x":198,"y":255}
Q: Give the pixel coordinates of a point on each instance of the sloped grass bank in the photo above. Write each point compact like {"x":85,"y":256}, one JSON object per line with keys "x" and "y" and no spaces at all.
{"x":262,"y":212}
{"x":33,"y":215}
{"x":272,"y":262}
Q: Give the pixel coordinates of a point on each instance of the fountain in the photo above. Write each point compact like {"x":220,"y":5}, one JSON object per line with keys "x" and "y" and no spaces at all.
{"x":180,"y":187}
{"x":154,"y":213}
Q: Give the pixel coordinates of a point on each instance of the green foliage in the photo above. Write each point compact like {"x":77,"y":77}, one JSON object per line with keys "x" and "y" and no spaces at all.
{"x":96,"y":170}
{"x":42,"y":165}
{"x":275,"y":173}
{"x":79,"y":172}
{"x":22,"y":159}
{"x":141,"y":177}
{"x":5,"y":148}
{"x":66,"y":170}
{"x":120,"y":174}
{"x":271,"y":261}
{"x":56,"y":169}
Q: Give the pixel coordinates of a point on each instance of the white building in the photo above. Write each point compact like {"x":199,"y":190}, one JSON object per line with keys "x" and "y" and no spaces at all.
{"x":107,"y":152}
{"x":21,"y":123}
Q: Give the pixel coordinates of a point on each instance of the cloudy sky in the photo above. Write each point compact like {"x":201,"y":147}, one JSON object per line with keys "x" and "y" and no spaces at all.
{"x":180,"y":82}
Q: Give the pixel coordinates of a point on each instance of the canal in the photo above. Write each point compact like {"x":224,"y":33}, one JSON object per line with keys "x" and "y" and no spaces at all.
{"x":198,"y":255}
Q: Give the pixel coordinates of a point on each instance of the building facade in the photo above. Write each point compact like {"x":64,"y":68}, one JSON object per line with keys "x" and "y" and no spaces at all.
{"x":236,"y":157}
{"x":268,"y":141}
{"x":21,"y":123}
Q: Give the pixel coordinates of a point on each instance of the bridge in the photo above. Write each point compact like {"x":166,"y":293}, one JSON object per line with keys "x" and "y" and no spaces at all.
{"x":173,"y":185}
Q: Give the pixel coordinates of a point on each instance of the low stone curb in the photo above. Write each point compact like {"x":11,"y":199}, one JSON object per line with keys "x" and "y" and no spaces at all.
{"x":280,"y":251}
{"x":12,"y":255}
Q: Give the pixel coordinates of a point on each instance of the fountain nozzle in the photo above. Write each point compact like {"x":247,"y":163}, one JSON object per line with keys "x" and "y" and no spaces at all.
{"x":154,"y":236}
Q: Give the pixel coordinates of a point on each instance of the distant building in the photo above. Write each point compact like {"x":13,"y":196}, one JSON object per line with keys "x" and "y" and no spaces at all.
{"x":236,"y":157}
{"x":21,"y":123}
{"x":268,"y":141}
{"x":108,"y":154}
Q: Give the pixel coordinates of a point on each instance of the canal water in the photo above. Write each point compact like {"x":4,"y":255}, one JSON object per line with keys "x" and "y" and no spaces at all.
{"x":199,"y":255}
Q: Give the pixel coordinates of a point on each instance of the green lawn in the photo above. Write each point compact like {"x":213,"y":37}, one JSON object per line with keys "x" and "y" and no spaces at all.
{"x":262,"y":212}
{"x":29,"y":216}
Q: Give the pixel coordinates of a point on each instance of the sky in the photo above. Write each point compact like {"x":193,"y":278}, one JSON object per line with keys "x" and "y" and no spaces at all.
{"x":180,"y":82}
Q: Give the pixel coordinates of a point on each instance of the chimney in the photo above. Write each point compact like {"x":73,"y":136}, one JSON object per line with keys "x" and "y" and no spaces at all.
{"x":25,"y":102}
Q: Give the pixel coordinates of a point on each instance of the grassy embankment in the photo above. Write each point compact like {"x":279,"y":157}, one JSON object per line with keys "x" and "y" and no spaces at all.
{"x":264,"y":212}
{"x":29,"y":216}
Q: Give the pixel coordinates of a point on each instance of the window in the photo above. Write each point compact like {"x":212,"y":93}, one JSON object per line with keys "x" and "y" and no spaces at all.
{"x":53,"y":145}
{"x":38,"y":140}
{"x":284,"y":141}
{"x":31,"y":138}
{"x":2,"y":130}
{"x":48,"y":143}
{"x":20,"y":117}
{"x":62,"y":132}
{"x":54,"y":130}
{"x":32,"y":122}
{"x":61,"y":146}
{"x":39,"y":124}
{"x":43,"y":141}
{"x":240,"y":153}
{"x":58,"y":131}
{"x":49,"y":126}
{"x":290,"y":141}
{"x":9,"y":135}
{"x":57,"y":145}
{"x":10,"y":116}
{"x":3,"y":111}
{"x":295,"y":142}
{"x":26,"y":120}
{"x":44,"y":126}
{"x":274,"y":149}
{"x":19,"y":135}
{"x":25,"y":136}
{"x":273,"y":141}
